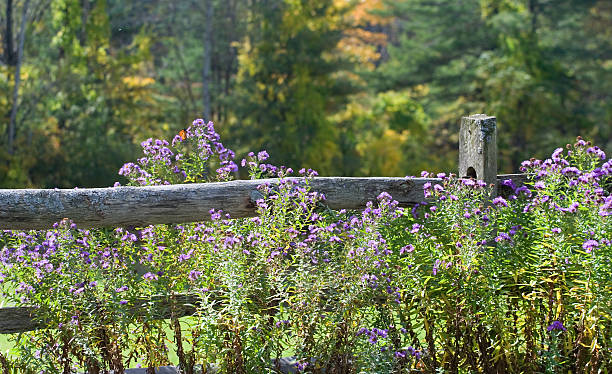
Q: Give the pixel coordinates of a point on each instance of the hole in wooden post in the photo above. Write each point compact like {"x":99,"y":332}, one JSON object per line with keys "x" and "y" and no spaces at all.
{"x":471,"y":173}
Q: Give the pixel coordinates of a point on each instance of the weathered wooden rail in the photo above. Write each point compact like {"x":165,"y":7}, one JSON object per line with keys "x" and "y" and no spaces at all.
{"x":28,"y":209}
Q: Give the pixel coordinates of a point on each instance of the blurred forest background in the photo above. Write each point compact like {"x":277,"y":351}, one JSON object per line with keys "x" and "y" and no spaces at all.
{"x":360,"y":88}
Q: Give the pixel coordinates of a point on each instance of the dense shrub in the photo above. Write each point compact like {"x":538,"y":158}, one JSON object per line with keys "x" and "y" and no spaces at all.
{"x":463,"y":282}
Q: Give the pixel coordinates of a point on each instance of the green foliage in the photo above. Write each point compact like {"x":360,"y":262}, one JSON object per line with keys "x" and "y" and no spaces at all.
{"x":381,"y":136}
{"x":462,"y":282}
{"x":314,"y":82}
{"x":527,"y":62}
{"x":83,"y":106}
{"x":286,"y":87}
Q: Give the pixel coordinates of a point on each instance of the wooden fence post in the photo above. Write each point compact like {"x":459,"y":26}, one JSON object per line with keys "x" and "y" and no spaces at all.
{"x":478,"y":148}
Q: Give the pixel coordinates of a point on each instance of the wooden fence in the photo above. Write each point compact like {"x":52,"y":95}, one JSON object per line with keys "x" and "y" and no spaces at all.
{"x":26,"y":209}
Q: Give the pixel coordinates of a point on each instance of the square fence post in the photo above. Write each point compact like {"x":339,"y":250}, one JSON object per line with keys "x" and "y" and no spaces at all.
{"x":478,"y":148}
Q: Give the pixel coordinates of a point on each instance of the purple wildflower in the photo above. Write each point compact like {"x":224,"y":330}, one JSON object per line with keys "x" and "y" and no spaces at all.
{"x":570,"y":170}
{"x":509,"y":183}
{"x":384,"y":196}
{"x":262,"y":156}
{"x":150,"y":276}
{"x":468,"y":182}
{"x":500,"y":201}
{"x":606,"y":209}
{"x":335,"y":239}
{"x":194,"y":274}
{"x":589,"y":245}
{"x":556,"y":154}
{"x":436,"y":267}
{"x":406,"y":249}
{"x":502,"y":236}
{"x":597,"y":152}
{"x":556,"y":325}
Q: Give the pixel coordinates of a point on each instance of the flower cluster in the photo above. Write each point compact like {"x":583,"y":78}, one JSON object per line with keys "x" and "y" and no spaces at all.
{"x":444,"y":284}
{"x":167,"y":164}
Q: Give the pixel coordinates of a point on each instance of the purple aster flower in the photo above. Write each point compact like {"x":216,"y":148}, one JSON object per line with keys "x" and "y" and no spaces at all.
{"x":556,"y":154}
{"x":301,"y":366}
{"x":194,"y":274}
{"x":514,"y":229}
{"x":606,"y":209}
{"x":384,"y":196}
{"x":436,"y":267}
{"x":589,"y":245}
{"x":556,"y":325}
{"x":570,"y":170}
{"x":262,"y":156}
{"x":500,"y":201}
{"x":502,"y":236}
{"x":597,"y":152}
{"x":509,"y":183}
{"x":406,"y":249}
{"x":150,"y":276}
{"x":335,"y":239}
{"x":281,"y":323}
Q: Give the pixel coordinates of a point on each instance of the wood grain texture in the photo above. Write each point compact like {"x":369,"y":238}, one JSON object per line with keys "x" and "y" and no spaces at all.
{"x":140,"y":206}
{"x":21,"y":319}
{"x":30,"y":209}
{"x":17,"y":319}
{"x":478,"y":147}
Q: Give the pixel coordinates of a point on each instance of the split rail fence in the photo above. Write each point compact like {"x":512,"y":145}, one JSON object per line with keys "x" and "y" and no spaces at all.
{"x":38,"y":209}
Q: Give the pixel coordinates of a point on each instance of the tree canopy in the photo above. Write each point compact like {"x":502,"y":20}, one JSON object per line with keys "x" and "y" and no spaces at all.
{"x":364,"y":88}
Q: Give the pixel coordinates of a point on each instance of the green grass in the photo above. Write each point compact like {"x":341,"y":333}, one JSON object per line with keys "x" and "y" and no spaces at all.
{"x":7,"y":346}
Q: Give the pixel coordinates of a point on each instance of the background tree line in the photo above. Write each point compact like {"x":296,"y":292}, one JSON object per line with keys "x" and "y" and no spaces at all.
{"x":369,"y":87}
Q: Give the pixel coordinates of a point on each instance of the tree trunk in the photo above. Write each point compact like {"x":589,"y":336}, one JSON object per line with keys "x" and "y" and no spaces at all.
{"x":13,"y":119}
{"x":207,"y":57}
{"x":85,"y":9}
{"x":9,"y":51}
{"x":533,"y":9}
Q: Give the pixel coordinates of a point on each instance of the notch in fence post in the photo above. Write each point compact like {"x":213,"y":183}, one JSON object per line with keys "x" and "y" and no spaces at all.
{"x":478,"y":148}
